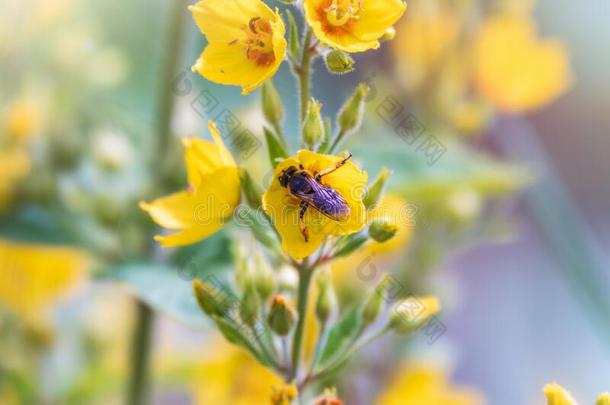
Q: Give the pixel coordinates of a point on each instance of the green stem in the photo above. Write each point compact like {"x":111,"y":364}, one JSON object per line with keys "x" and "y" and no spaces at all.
{"x":305,"y":276}
{"x":304,"y":74}
{"x":140,"y":356}
{"x":337,"y":141}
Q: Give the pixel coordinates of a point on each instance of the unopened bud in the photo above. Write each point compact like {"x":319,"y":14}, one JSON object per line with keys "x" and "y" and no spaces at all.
{"x":249,"y":307}
{"x":339,"y":62}
{"x":264,"y":279}
{"x":557,"y":395}
{"x":327,"y":301}
{"x":273,"y":109}
{"x":382,"y":230}
{"x":352,"y":112}
{"x":411,"y":313}
{"x":374,"y":304}
{"x":313,"y":126}
{"x":603,"y":399}
{"x":208,"y":298}
{"x":375,"y":191}
{"x":389,"y":34}
{"x":281,"y":316}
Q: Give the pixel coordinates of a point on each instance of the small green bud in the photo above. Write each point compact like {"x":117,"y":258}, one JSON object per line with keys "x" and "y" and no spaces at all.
{"x":249,"y":307}
{"x":264,"y":279}
{"x":351,"y":244}
{"x":374,"y":304}
{"x":352,"y":112}
{"x":389,"y":34}
{"x":313,"y":126}
{"x":281,"y":316}
{"x":382,"y":230}
{"x":327,"y":301}
{"x":252,"y":192}
{"x":273,"y":109}
{"x":208,"y":298}
{"x":409,"y":314}
{"x":339,"y":62}
{"x":375,"y":191}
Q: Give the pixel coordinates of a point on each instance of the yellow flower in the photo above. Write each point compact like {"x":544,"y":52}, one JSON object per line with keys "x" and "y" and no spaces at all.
{"x":14,"y":166}
{"x":352,"y":25}
{"x":557,"y":395}
{"x":213,"y":194}
{"x":231,"y":376}
{"x":22,"y":120}
{"x":33,"y":276}
{"x":246,"y":43}
{"x":515,"y":70}
{"x":603,"y":399}
{"x":421,"y":384}
{"x":349,"y":181}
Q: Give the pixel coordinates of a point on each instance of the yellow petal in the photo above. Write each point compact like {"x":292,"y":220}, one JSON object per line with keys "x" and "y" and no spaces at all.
{"x":33,"y":276}
{"x":516,"y":71}
{"x":222,"y":20}
{"x":377,"y":16}
{"x":557,"y":395}
{"x":204,"y":157}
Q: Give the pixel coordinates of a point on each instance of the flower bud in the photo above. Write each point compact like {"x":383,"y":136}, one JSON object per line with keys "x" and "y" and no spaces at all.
{"x":313,"y":126}
{"x":252,"y":192}
{"x":557,"y":395}
{"x":249,"y":307}
{"x":375,"y":191}
{"x":382,"y":230}
{"x":284,"y":395}
{"x":411,"y":313}
{"x":273,"y":109}
{"x":374,"y":304}
{"x":352,"y":112}
{"x":282,"y":316}
{"x":327,"y":301}
{"x":263,"y":279}
{"x":603,"y":399}
{"x":208,"y":298}
{"x":339,"y":62}
{"x":389,"y":34}
{"x":329,"y":397}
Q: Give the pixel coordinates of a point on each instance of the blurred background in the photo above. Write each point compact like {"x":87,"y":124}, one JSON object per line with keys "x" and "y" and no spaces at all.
{"x":512,"y":226}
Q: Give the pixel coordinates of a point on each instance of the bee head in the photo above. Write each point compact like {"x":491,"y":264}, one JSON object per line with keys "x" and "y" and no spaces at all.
{"x":287,"y":175}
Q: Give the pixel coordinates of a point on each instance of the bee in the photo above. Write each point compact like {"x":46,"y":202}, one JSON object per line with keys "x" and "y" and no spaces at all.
{"x":309,"y":190}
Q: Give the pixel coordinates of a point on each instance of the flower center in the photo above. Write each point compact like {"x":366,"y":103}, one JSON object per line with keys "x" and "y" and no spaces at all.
{"x":259,"y":41}
{"x":340,"y":12}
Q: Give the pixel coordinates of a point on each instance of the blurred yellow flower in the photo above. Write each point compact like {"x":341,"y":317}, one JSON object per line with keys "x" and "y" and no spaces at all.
{"x":284,"y":394}
{"x":415,"y":385}
{"x":213,"y":194}
{"x":246,"y":43}
{"x":21,"y":120}
{"x":349,"y":181}
{"x":14,"y":166}
{"x":33,"y":276}
{"x":231,"y":376}
{"x":352,"y":25}
{"x":517,"y":71}
{"x":557,"y":395}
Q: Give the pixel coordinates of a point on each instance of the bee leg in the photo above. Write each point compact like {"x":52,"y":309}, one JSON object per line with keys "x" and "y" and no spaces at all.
{"x":331,"y":169}
{"x":302,"y":225}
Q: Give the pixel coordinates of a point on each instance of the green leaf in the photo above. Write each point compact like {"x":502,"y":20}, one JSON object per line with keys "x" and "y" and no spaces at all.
{"x":341,"y":335}
{"x":275,"y":148}
{"x":168,"y":288}
{"x":293,"y":32}
{"x":235,"y":334}
{"x":351,"y":243}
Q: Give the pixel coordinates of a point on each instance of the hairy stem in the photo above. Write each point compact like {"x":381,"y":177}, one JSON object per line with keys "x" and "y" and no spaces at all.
{"x":304,"y":74}
{"x":305,"y":276}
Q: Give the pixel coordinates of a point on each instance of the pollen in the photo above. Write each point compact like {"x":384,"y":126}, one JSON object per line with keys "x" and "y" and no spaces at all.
{"x":340,"y":12}
{"x":259,"y":42}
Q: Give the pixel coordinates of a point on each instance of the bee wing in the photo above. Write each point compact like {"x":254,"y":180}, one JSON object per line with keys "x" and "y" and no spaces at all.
{"x":325,"y":200}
